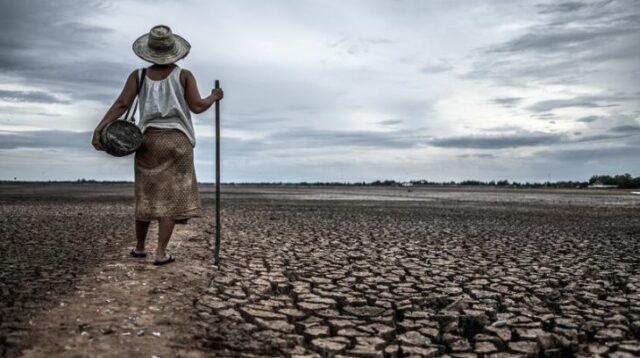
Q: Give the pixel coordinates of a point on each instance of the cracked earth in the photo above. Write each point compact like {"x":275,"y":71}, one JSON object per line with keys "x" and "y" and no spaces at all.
{"x":326,"y":272}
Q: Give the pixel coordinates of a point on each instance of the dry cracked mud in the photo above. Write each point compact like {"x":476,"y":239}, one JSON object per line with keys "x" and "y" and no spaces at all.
{"x":353,"y":272}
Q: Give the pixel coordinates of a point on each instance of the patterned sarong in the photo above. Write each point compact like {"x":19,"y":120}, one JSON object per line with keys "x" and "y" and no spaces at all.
{"x":165,"y":177}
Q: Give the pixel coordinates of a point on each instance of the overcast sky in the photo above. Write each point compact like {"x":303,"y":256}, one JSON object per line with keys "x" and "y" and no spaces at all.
{"x":338,"y":90}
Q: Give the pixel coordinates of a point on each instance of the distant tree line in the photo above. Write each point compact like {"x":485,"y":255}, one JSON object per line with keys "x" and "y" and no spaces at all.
{"x":623,"y":181}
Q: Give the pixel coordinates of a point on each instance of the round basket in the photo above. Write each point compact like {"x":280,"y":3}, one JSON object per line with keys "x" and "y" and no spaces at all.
{"x":121,"y":138}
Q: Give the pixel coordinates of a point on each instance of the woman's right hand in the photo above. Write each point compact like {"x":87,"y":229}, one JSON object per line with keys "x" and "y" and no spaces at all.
{"x":96,"y":141}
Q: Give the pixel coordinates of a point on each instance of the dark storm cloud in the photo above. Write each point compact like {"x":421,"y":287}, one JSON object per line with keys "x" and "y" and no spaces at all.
{"x":499,"y":141}
{"x":29,"y":97}
{"x":580,"y":101}
{"x":45,"y":139}
{"x":45,"y":45}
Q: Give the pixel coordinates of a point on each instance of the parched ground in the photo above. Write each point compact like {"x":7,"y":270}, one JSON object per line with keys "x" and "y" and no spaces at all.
{"x":325,"y":272}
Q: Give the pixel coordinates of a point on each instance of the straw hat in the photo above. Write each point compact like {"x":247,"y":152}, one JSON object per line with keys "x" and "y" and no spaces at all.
{"x":161,"y":46}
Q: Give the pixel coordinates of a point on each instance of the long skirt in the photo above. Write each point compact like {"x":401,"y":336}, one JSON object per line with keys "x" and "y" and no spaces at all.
{"x":165,"y":177}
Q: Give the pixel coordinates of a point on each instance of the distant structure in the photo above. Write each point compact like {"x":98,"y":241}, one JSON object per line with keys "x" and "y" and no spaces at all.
{"x":598,"y":185}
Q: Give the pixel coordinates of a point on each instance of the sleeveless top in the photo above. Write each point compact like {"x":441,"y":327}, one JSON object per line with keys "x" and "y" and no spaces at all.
{"x":162,"y":105}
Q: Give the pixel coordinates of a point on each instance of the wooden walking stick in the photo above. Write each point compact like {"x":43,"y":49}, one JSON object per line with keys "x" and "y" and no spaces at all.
{"x":216,"y":250}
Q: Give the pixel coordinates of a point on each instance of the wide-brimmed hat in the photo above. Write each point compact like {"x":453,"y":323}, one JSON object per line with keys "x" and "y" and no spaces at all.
{"x":161,"y":46}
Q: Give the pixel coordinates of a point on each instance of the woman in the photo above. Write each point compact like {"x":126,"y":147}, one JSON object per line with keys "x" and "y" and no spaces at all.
{"x":165,"y":182}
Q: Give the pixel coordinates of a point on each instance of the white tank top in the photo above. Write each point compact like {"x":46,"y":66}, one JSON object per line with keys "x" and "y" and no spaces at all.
{"x":162,"y":105}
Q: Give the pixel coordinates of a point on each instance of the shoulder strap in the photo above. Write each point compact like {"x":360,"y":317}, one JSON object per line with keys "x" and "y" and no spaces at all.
{"x":135,"y":107}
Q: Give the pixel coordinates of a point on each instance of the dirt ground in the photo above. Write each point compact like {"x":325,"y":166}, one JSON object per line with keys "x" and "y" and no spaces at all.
{"x":360,"y":272}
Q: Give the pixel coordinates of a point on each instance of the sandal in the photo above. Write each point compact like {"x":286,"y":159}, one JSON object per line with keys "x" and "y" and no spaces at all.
{"x":136,"y":254}
{"x":166,"y":261}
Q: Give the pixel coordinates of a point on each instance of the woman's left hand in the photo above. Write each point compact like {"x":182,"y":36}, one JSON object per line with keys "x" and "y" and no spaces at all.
{"x":217,"y":94}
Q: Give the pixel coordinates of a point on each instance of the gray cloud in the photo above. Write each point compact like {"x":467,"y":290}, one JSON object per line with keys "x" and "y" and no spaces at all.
{"x":390,"y":122}
{"x":479,"y":155}
{"x":290,"y":142}
{"x":500,"y":141}
{"x":258,"y":123}
{"x":580,"y":101}
{"x":45,"y":139}
{"x":600,"y":25}
{"x":567,"y":6}
{"x":308,"y":69}
{"x":507,"y":101}
{"x":29,"y":96}
{"x":358,"y":45}
{"x":304,"y":137}
{"x":505,"y":128}
{"x":590,"y":34}
{"x":301,"y":138}
{"x":625,"y":129}
{"x":546,"y":116}
{"x":597,"y":138}
{"x":564,"y":39}
{"x":45,"y":44}
{"x":577,"y":156}
{"x":7,"y":112}
{"x":588,"y":119}
{"x":438,"y":66}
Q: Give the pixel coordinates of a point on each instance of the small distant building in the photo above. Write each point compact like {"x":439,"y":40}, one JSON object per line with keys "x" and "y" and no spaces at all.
{"x":598,"y":185}
{"x":406,"y":183}
{"x":602,"y":186}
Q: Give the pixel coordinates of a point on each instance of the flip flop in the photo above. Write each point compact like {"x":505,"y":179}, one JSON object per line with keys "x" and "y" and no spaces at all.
{"x":164,"y":262}
{"x":138,"y":254}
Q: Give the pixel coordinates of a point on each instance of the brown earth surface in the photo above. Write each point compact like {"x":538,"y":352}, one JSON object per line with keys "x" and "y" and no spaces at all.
{"x":359,"y":272}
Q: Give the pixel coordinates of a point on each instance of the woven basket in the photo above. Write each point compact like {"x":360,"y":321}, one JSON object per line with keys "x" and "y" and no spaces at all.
{"x":121,"y":138}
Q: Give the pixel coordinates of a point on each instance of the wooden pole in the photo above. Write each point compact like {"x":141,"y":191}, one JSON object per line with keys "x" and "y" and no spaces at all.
{"x":216,"y":252}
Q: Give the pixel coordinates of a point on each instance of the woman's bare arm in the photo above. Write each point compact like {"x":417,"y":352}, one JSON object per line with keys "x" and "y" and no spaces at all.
{"x":122,"y":103}
{"x":192,"y":95}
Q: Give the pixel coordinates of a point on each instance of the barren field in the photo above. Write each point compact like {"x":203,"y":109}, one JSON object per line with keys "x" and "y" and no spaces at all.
{"x":364,"y":272}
